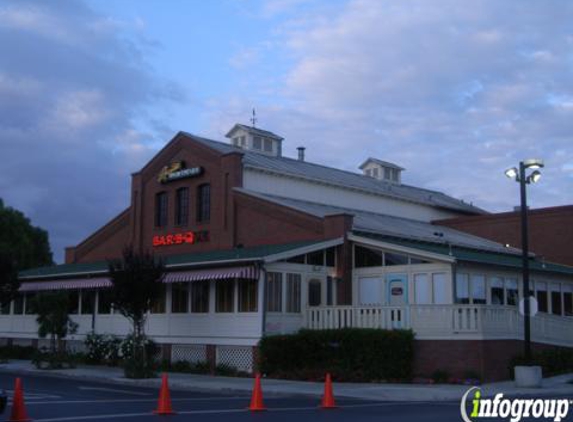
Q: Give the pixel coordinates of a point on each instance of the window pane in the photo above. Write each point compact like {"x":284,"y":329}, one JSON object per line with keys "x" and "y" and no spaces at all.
{"x":5,"y":309}
{"x":568,"y":303}
{"x":315,"y":258}
{"x":542,"y":296}
{"x":299,"y":259}
{"x":439,"y":289}
{"x":200,"y":296}
{"x":159,"y":305}
{"x":478,"y":288}
{"x":422,"y":289}
{"x":274,"y":292}
{"x":314,"y":293}
{"x":161,"y":209}
{"x":496,"y":290}
{"x":179,"y":298}
{"x":329,"y":291}
{"x":19,"y":304}
{"x":257,"y":142}
{"x":182,"y":207}
{"x":293,"y":292}
{"x":104,"y":301}
{"x":366,"y":257}
{"x":511,"y":292}
{"x":30,"y":297}
{"x":268,"y":145}
{"x":204,"y":203}
{"x":88,"y":301}
{"x":330,"y":257}
{"x":74,"y":302}
{"x":462,"y":288}
{"x":248,"y":295}
{"x":556,"y":303}
{"x":415,"y":261}
{"x":224,"y":295}
{"x":395,"y":259}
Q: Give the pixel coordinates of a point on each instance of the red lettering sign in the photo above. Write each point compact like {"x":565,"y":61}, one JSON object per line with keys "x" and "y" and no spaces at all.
{"x":181,"y":238}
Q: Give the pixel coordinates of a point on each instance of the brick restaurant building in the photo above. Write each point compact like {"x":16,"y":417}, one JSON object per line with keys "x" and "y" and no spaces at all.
{"x":257,"y":244}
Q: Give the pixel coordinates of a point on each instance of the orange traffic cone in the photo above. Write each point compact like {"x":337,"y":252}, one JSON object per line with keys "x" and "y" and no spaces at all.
{"x":257,"y":398}
{"x":18,"y":409}
{"x":328,"y":397}
{"x":164,"y":403}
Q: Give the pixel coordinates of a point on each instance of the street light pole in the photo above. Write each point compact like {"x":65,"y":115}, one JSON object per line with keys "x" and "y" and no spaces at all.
{"x":525,"y":264}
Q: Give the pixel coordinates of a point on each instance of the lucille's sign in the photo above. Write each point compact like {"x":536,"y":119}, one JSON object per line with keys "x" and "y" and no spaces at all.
{"x":176,"y":171}
{"x":181,"y":238}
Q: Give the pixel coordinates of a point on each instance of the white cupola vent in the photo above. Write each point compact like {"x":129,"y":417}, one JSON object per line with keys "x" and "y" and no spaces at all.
{"x":254,"y":139}
{"x":382,"y":170}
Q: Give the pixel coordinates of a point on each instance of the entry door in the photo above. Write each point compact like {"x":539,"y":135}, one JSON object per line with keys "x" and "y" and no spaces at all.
{"x":397,"y":289}
{"x":315,"y":291}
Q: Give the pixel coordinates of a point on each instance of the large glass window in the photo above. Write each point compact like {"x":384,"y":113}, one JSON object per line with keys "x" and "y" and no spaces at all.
{"x":104,"y":301}
{"x":497,"y":291}
{"x":395,"y":259}
{"x":541,"y":294}
{"x":440,"y":296}
{"x":88,"y":301}
{"x":422,"y":289}
{"x":366,"y":257}
{"x":204,"y":203}
{"x":19,"y":304}
{"x":315,"y":258}
{"x":314,"y":293}
{"x":182,"y":207}
{"x":257,"y":142}
{"x":568,"y":299}
{"x":511,"y":292}
{"x":5,"y":309}
{"x":477,"y":283}
{"x":462,"y":288}
{"x":200,"y":296}
{"x":159,"y":305}
{"x":161,"y":209}
{"x":225,"y":295}
{"x":274,"y":292}
{"x":74,"y":302}
{"x":293,"y":292}
{"x":556,"y":308}
{"x":248,"y":297}
{"x":268,"y":145}
{"x":179,"y":298}
{"x":30,"y":298}
{"x":331,"y":257}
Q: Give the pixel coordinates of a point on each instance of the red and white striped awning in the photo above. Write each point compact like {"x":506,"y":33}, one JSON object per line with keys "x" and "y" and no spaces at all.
{"x":249,"y":272}
{"x":75,"y":284}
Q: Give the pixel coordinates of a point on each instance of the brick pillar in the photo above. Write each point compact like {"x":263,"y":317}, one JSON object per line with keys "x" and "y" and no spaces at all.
{"x":212,"y":357}
{"x":339,"y":225}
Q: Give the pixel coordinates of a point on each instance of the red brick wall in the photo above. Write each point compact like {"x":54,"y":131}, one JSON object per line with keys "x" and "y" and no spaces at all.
{"x":550,"y":230}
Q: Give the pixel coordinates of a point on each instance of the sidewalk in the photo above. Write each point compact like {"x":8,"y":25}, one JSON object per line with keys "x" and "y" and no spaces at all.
{"x":367,"y":391}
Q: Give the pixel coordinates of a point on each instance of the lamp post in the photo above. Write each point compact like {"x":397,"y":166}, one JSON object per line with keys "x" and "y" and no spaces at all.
{"x":520,"y":176}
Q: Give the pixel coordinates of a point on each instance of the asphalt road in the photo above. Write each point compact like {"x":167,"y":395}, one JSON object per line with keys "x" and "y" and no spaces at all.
{"x":59,"y":399}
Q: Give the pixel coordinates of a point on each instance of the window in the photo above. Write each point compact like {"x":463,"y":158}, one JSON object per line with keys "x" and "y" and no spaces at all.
{"x":462,"y":288}
{"x":248,"y":296}
{"x":257,"y":142}
{"x":236,"y":141}
{"x":268,"y":145}
{"x":299,"y":259}
{"x":395,"y":259}
{"x":104,"y":301}
{"x":274,"y":292}
{"x":497,"y":291}
{"x":330,"y":290}
{"x":512,"y":295}
{"x":541,"y":294}
{"x":415,"y":261}
{"x":366,"y":257}
{"x":375,"y":172}
{"x":293,"y":293}
{"x":161,"y":209}
{"x":387,"y":173}
{"x":422,"y":289}
{"x":19,"y":305}
{"x":30,"y":298}
{"x":74,"y":302}
{"x":182,"y":207}
{"x":368,"y":172}
{"x":370,"y":291}
{"x":439,"y":295}
{"x":556,"y":308}
{"x":315,"y":258}
{"x":314,"y":293}
{"x":478,"y":289}
{"x":200,"y":296}
{"x":88,"y":301}
{"x":179,"y":298}
{"x":204,"y":203}
{"x":5,"y":309}
{"x":159,"y":305}
{"x":568,"y":299}
{"x":331,"y":257}
{"x":224,"y":295}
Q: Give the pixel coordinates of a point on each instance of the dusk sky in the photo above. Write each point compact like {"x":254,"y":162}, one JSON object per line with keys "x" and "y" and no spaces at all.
{"x":454,"y":91}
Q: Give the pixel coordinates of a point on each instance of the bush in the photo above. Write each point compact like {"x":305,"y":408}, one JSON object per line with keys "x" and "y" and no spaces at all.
{"x":553,"y":361}
{"x":46,"y":359}
{"x":16,"y":352}
{"x":139,"y":366}
{"x":350,"y":354}
{"x":102,"y":348}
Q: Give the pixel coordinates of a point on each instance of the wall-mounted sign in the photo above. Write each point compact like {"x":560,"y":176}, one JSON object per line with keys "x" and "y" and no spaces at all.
{"x":178,"y":170}
{"x":397,"y":291}
{"x":181,"y":238}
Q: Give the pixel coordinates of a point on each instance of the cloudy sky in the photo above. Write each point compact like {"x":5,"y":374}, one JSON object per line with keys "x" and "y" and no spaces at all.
{"x":454,"y":91}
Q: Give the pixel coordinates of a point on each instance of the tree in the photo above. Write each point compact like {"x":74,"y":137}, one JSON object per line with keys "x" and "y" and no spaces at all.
{"x":137,"y":283}
{"x":52,"y":310}
{"x":9,"y":283}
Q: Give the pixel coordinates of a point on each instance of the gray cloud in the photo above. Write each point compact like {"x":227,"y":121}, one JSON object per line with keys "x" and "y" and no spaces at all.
{"x":72,"y":84}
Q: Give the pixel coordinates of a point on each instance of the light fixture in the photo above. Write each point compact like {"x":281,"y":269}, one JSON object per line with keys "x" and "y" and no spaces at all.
{"x":511,"y":173}
{"x":534,"y":177}
{"x":533,"y":163}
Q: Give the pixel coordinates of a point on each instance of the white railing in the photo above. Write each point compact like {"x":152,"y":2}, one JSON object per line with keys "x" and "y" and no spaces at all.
{"x":445,"y":321}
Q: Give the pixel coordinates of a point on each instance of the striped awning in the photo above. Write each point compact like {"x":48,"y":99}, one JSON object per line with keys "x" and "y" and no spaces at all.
{"x":249,"y":272}
{"x":75,"y":284}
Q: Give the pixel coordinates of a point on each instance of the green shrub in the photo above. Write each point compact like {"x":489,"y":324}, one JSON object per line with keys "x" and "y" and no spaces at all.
{"x":350,"y":354}
{"x":102,"y":348}
{"x":553,"y":361}
{"x":46,"y":359}
{"x":143,"y":364}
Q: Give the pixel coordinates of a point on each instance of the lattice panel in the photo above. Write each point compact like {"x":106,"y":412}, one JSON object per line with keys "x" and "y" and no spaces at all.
{"x":76,"y":346}
{"x":240,"y":357}
{"x":193,"y":353}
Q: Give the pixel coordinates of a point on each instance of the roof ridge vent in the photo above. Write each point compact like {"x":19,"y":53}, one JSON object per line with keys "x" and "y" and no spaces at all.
{"x":382,"y":170}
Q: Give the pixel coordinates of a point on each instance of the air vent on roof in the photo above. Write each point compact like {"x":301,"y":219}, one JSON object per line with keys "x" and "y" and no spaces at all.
{"x":254,"y":139}
{"x":382,"y":170}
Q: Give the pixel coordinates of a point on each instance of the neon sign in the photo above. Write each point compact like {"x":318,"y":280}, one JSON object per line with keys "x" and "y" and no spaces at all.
{"x":176,"y":171}
{"x":181,"y":238}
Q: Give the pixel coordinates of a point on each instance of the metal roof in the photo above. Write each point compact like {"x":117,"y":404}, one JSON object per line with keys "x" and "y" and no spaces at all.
{"x":391,"y":226}
{"x":316,"y":172}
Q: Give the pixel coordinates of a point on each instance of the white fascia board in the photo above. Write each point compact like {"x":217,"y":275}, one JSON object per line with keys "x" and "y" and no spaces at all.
{"x":303,"y":250}
{"x":403,"y":249}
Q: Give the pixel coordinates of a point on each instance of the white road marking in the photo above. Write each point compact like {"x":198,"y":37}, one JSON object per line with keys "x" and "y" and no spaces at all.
{"x":32,"y":396}
{"x":136,"y":400}
{"x":114,"y":390}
